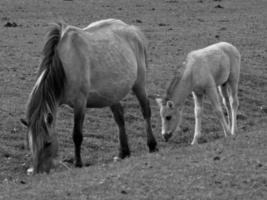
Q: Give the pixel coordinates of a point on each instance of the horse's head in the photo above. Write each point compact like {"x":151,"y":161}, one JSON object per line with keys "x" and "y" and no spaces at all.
{"x":42,"y":141}
{"x":171,"y":116}
{"x":42,"y":104}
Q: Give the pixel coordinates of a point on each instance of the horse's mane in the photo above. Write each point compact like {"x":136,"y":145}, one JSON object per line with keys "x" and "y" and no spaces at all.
{"x":48,"y":88}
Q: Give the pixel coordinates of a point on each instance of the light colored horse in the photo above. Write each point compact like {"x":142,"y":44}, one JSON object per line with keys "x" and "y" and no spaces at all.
{"x":92,"y":67}
{"x":216,"y":66}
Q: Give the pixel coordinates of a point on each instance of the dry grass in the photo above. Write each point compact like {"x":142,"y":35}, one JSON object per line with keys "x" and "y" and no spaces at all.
{"x":224,"y":169}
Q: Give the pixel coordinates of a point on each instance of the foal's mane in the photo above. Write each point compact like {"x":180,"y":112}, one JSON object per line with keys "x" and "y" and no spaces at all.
{"x":172,"y":85}
{"x":48,"y":88}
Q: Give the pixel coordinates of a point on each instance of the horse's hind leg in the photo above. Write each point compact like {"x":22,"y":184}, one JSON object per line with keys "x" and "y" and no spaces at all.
{"x":198,"y":100}
{"x":214,"y":98}
{"x":79,"y":113}
{"x":223,"y":89}
{"x":140,"y":93}
{"x":117,"y":111}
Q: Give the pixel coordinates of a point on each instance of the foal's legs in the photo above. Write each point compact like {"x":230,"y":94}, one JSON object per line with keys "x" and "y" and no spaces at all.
{"x":233,"y":86}
{"x":117,"y":111}
{"x":79,"y":112}
{"x":198,"y":100}
{"x":145,"y":106}
{"x":234,"y":103}
{"x":214,"y":98}
{"x":223,"y":89}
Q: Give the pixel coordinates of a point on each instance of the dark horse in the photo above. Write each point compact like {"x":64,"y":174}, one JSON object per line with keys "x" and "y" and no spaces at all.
{"x":92,"y":67}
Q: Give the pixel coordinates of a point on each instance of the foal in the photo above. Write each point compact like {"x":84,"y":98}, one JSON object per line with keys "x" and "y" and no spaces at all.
{"x":216,"y":66}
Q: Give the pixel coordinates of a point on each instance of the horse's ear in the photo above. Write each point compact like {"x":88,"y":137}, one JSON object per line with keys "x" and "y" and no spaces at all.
{"x":170,"y":104}
{"x":159,"y":101}
{"x":49,"y":119}
{"x":24,"y":122}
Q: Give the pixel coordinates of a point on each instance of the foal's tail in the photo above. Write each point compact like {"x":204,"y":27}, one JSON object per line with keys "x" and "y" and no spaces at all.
{"x":235,"y":61}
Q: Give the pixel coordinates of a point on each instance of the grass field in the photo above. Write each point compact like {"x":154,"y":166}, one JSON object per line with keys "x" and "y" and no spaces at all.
{"x":218,"y":168}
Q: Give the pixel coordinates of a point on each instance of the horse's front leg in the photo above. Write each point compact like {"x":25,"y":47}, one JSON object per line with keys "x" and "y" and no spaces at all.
{"x":145,"y":106}
{"x":117,"y":111}
{"x":77,"y":136}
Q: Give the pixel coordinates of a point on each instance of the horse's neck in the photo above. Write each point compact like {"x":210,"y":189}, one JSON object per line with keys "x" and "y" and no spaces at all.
{"x":182,"y":90}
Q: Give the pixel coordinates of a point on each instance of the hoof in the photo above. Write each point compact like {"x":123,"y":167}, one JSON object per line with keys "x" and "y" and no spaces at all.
{"x":194,"y":142}
{"x":78,"y":164}
{"x":124,"y":153}
{"x":122,"y":156}
{"x":227,"y":134}
{"x":116,"y":159}
{"x":155,"y":149}
{"x":30,"y":171}
{"x":233,"y":136}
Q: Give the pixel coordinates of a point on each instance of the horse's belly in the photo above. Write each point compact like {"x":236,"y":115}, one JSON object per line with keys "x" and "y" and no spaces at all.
{"x":107,"y":96}
{"x":111,"y":81}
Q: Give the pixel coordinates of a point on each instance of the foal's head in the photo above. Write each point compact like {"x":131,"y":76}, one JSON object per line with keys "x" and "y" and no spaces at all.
{"x":42,"y":141}
{"x":171,"y":117}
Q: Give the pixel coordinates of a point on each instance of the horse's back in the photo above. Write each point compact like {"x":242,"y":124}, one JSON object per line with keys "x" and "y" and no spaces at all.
{"x":100,"y":65}
{"x":130,"y":33}
{"x":105,"y":24}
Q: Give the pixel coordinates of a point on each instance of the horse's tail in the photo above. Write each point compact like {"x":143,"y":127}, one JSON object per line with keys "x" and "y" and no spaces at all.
{"x":142,"y":45}
{"x":146,"y":56}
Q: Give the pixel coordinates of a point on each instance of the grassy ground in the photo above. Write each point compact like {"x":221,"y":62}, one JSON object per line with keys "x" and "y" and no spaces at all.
{"x":223,"y":169}
{"x":173,"y":28}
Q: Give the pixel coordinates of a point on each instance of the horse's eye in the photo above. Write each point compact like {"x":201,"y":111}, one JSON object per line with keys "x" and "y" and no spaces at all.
{"x":168,"y":118}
